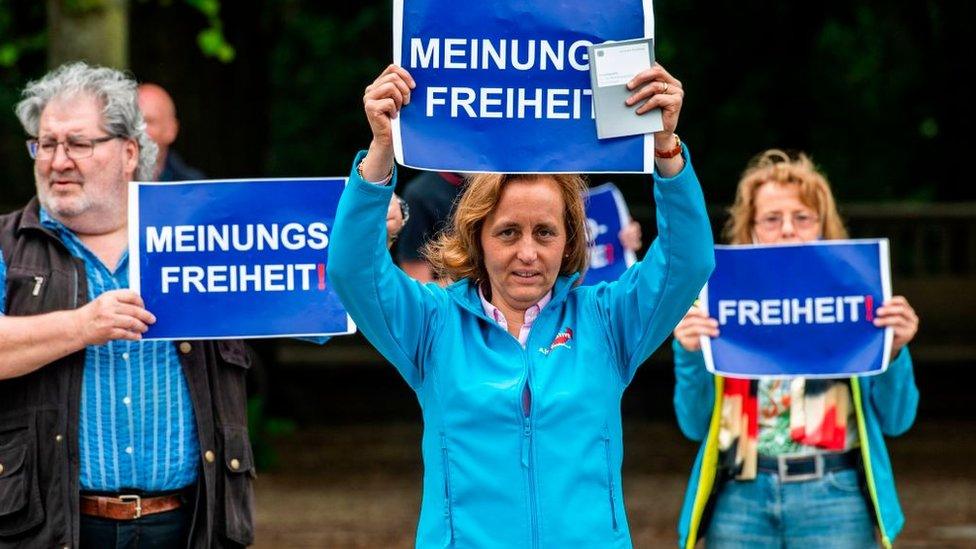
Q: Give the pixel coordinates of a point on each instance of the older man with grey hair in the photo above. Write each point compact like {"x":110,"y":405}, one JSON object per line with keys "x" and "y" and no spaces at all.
{"x":106,"y":440}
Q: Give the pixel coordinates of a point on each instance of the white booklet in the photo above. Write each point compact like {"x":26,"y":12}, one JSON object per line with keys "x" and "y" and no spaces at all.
{"x":612,"y":65}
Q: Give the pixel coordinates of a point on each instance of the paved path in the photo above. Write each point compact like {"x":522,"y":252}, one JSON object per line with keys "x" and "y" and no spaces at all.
{"x":359,"y":486}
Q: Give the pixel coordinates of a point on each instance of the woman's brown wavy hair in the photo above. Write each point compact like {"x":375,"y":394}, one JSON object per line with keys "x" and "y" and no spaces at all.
{"x":456,"y":252}
{"x":781,"y":167}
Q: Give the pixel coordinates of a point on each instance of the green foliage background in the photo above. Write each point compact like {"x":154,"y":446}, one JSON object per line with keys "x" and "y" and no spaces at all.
{"x":872,"y":89}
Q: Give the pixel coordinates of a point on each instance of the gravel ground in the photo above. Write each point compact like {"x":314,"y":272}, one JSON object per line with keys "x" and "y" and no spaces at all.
{"x":359,"y":486}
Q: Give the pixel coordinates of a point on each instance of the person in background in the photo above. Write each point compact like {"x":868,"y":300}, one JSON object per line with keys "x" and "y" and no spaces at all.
{"x":518,"y":369}
{"x":430,"y":198}
{"x":774,"y":469}
{"x":163,"y":127}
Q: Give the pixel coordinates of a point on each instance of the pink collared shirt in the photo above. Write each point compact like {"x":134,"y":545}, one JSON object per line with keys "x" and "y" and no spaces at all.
{"x":530,"y":315}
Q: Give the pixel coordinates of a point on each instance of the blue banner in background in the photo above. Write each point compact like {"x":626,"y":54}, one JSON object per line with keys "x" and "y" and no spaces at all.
{"x":504,"y":86}
{"x":798,"y":310}
{"x":230,"y":259}
{"x":606,"y":215}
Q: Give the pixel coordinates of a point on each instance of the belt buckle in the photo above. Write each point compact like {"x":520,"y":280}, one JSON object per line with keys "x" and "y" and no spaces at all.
{"x":782,"y":464}
{"x":138,"y":502}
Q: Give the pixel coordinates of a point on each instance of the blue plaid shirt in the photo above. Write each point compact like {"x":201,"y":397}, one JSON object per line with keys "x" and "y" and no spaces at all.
{"x":137,"y":428}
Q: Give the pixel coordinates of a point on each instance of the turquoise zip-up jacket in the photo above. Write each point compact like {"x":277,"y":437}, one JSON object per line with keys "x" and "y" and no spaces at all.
{"x":884,"y":404}
{"x":492,"y":476}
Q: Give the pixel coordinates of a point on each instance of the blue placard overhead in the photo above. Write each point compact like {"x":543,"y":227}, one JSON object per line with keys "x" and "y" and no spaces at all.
{"x":235,"y":258}
{"x":504,"y":86}
{"x":798,"y":310}
{"x":606,"y":215}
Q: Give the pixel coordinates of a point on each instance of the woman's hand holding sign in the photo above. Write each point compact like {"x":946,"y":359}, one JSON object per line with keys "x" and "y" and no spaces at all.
{"x":658,"y":89}
{"x":897,"y":314}
{"x":382,"y":102}
{"x":695,"y":324}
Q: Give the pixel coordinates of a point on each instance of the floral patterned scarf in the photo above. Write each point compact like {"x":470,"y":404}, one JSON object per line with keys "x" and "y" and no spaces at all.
{"x":818,"y":411}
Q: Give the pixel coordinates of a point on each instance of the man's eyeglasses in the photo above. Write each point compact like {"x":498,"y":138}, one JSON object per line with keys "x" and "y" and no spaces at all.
{"x":74,"y":148}
{"x":800,"y":220}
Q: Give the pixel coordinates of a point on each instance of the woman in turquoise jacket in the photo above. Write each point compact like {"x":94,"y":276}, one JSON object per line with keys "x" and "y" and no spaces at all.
{"x":519,"y":371}
{"x":799,"y":462}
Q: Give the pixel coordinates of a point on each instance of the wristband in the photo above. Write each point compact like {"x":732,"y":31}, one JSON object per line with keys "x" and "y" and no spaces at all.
{"x":670,"y":153}
{"x":359,"y":170}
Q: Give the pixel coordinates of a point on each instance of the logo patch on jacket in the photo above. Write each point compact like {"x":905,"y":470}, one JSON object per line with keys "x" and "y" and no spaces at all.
{"x":562,"y":339}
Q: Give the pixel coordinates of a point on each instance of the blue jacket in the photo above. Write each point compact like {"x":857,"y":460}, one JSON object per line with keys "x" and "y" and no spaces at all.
{"x":493,"y":477}
{"x":884,"y":405}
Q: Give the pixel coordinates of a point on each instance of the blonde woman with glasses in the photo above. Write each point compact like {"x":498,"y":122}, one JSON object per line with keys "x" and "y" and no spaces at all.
{"x":781,"y":480}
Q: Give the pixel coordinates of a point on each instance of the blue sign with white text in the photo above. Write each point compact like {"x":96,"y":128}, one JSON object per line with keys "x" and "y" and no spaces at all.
{"x":504,"y":86}
{"x":232,"y":259}
{"x":798,"y":310}
{"x":606,"y":215}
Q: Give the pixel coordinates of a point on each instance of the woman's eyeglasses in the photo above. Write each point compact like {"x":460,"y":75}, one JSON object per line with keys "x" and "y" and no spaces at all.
{"x":800,"y":220}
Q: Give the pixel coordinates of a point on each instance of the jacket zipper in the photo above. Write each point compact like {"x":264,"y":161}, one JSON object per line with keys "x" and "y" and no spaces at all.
{"x":447,"y":487}
{"x":526,"y":418}
{"x":613,"y":498}
{"x":527,"y":450}
{"x":530,"y":479}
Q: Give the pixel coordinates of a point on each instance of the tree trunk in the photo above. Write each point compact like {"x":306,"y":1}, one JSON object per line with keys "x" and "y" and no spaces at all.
{"x":96,"y":31}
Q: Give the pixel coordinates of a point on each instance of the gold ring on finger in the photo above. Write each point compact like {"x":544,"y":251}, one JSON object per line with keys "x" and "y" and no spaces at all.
{"x":666,"y":86}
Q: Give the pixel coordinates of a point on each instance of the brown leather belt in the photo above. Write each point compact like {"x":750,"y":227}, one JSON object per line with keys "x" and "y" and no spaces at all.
{"x":125,"y":507}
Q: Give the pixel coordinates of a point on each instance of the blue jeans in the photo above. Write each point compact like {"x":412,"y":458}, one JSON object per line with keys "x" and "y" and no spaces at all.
{"x":765,"y":513}
{"x":168,"y":530}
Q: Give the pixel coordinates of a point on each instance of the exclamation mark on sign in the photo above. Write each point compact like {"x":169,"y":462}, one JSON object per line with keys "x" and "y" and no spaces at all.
{"x":609,"y":249}
{"x":869,"y":308}
{"x":321,"y":276}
